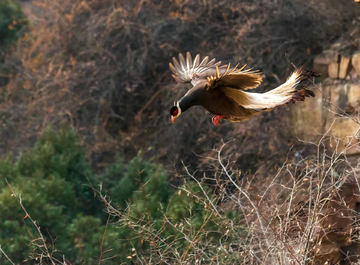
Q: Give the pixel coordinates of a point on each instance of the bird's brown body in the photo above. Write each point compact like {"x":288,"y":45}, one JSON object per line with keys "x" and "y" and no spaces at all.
{"x":217,"y":103}
{"x":221,"y":90}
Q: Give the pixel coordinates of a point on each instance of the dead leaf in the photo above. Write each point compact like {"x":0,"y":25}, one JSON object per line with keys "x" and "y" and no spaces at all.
{"x":174,"y":14}
{"x":50,"y":109}
{"x":27,"y":84}
{"x":69,"y":17}
{"x":36,"y":3}
{"x":72,"y":60}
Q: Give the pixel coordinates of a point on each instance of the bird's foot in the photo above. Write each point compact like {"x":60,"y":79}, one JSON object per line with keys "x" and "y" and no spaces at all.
{"x":216,"y":119}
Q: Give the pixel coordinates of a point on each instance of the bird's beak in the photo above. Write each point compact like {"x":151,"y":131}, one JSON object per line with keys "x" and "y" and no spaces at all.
{"x":172,"y":119}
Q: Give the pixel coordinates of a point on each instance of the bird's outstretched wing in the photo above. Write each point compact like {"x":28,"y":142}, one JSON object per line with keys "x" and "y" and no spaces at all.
{"x":236,"y":78}
{"x":186,"y":71}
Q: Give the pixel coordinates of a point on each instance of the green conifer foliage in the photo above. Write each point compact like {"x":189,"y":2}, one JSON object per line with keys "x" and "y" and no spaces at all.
{"x":55,"y":183}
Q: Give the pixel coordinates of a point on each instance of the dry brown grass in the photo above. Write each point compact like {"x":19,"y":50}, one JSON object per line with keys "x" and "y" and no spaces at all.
{"x":103,"y":67}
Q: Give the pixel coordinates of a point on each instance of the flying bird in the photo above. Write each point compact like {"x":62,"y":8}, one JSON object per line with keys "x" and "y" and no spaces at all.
{"x":221,"y":89}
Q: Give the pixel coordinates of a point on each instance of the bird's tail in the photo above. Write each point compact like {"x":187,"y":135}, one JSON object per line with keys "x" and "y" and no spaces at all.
{"x":293,"y":87}
{"x":291,"y":91}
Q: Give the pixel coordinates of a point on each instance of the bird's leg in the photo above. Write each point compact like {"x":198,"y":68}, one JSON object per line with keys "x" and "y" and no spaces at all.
{"x":216,"y":119}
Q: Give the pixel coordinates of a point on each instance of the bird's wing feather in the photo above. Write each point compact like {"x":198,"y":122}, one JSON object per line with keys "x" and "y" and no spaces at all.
{"x":186,"y":70}
{"x":236,"y":78}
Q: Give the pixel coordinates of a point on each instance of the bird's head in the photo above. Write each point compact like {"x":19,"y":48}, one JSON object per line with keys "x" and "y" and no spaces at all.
{"x":175,"y":112}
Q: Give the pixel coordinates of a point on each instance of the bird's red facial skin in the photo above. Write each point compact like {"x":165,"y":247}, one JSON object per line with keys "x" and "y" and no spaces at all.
{"x":174,"y":114}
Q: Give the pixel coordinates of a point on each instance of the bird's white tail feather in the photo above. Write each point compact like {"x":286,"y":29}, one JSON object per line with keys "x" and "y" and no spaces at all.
{"x":284,"y":94}
{"x":290,"y":85}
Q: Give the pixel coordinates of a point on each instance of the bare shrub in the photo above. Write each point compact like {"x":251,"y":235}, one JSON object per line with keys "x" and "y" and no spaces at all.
{"x":305,"y":213}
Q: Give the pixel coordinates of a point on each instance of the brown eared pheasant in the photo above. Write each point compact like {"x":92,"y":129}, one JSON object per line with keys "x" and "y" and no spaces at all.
{"x":221,"y":89}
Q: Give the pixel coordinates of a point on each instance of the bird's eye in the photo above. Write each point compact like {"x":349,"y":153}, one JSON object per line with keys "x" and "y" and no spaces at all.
{"x":174,"y":111}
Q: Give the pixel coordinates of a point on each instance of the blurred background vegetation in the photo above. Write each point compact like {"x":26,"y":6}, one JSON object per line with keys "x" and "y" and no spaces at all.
{"x":85,"y":91}
{"x":53,"y":179}
{"x":103,"y":67}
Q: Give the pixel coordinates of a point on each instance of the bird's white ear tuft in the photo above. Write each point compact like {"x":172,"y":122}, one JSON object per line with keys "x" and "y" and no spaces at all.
{"x":178,"y":106}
